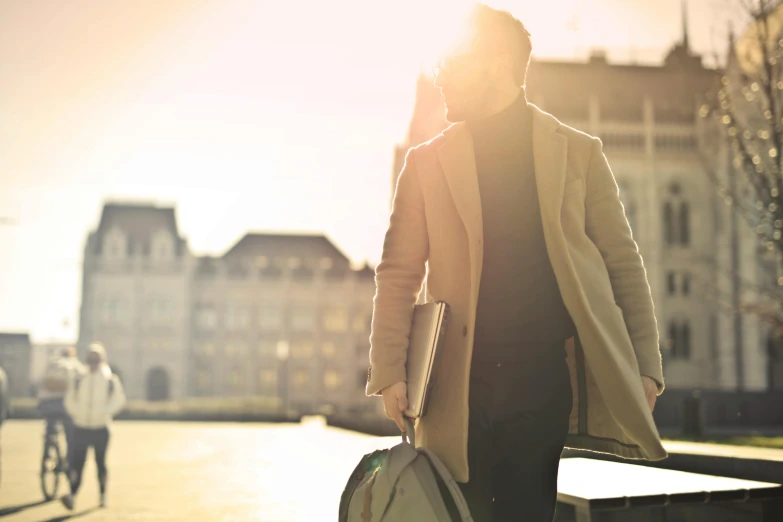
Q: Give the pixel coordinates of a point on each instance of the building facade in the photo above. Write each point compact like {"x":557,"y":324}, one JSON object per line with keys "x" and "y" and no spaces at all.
{"x":15,"y":357}
{"x":283,"y":317}
{"x":648,"y":120}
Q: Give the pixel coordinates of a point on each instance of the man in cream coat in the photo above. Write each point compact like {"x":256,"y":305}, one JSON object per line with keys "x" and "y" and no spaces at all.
{"x":560,"y":346}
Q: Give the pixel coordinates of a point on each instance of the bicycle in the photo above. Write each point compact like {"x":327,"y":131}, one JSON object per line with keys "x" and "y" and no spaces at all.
{"x":53,"y":461}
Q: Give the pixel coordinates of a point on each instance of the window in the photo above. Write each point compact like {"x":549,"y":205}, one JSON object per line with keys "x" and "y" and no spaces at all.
{"x":235,"y":349}
{"x":267,"y":379}
{"x":302,"y":319}
{"x":686,"y":284}
{"x":162,"y":246}
{"x":206,"y":349}
{"x":159,"y":345}
{"x":328,"y":349}
{"x":115,"y":245}
{"x":236,"y":380}
{"x":362,"y":349}
{"x":161,"y":311}
{"x":671,"y":341}
{"x":668,"y":223}
{"x":267,"y":348}
{"x":680,"y":339}
{"x":236,"y":318}
{"x":360,"y":323}
{"x":685,"y":226}
{"x":282,"y":350}
{"x":204,"y":381}
{"x":269,"y":319}
{"x":676,"y":218}
{"x":206,"y":317}
{"x":103,"y":310}
{"x":117,"y":311}
{"x":301,"y":378}
{"x":301,"y":349}
{"x":332,"y":380}
{"x":671,"y":281}
{"x":336,"y":319}
{"x":623,"y":140}
{"x":685,"y":340}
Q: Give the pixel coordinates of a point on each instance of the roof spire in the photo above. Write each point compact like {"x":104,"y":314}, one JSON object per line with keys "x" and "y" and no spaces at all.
{"x":731,"y":34}
{"x":685,"y":38}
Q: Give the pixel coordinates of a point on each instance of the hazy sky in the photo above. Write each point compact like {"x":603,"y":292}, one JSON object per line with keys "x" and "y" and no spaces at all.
{"x":246,"y":115}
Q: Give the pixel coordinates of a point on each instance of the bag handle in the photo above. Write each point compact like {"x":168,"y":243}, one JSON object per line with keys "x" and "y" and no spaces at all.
{"x":451,"y":485}
{"x":440,"y":469}
{"x":409,"y":435}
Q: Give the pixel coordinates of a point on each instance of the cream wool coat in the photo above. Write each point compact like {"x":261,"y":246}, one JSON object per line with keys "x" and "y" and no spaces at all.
{"x":435,"y":237}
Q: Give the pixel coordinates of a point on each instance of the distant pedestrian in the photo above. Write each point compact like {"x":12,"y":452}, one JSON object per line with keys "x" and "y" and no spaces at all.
{"x":93,"y":399}
{"x":5,"y":401}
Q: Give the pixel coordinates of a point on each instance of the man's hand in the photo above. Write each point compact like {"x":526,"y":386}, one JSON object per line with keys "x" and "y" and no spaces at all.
{"x":650,"y":391}
{"x":395,"y":401}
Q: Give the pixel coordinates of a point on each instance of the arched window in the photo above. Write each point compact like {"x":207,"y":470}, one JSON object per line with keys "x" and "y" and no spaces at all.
{"x":668,"y":223}
{"x":686,"y":283}
{"x":114,"y":245}
{"x":685,"y":225}
{"x":162,"y":246}
{"x":673,"y":339}
{"x":676,"y":217}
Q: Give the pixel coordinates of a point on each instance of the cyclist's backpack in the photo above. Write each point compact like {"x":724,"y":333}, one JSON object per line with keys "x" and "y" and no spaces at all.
{"x":400,"y":484}
{"x":56,"y":376}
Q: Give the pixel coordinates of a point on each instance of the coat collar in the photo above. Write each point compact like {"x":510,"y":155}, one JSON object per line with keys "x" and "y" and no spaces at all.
{"x":459,"y":167}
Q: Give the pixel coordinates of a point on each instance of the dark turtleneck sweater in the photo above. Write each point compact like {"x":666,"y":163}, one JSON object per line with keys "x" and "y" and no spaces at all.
{"x":521,"y":316}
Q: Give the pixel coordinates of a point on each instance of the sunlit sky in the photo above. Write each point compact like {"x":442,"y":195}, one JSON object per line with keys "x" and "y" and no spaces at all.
{"x":245,"y":115}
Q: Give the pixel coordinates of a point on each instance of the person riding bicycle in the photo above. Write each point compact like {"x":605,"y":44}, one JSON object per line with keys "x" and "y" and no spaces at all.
{"x":93,"y":399}
{"x":60,"y":371}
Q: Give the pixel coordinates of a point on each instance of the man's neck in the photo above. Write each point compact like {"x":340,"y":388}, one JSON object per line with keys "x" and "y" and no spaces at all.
{"x":502,"y":102}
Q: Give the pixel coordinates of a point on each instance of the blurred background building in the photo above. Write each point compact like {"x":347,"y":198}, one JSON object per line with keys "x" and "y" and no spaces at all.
{"x":648,"y":118}
{"x":15,"y":356}
{"x":278,"y":316}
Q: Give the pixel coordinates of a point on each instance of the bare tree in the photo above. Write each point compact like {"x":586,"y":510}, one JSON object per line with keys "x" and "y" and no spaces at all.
{"x":747,"y":109}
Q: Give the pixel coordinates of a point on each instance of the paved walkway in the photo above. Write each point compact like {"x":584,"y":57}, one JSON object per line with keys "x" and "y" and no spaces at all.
{"x":190,"y":471}
{"x":724,"y":450}
{"x":161,"y":471}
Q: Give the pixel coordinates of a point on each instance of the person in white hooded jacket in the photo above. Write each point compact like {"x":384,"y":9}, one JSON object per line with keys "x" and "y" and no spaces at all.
{"x":92,"y":400}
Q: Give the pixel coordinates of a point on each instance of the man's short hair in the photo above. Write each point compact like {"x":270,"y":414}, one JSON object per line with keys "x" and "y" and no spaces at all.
{"x":499,"y":31}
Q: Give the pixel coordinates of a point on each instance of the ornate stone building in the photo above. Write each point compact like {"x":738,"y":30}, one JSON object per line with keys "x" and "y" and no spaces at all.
{"x":284,"y":317}
{"x":648,"y":120}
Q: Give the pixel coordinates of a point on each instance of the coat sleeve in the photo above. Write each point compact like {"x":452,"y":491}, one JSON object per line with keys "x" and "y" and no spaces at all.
{"x":607,"y":226}
{"x":71,"y":401}
{"x":398,"y":277}
{"x":118,"y":399}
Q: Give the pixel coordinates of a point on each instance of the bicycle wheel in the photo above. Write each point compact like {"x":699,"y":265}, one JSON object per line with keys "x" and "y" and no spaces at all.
{"x":50,"y":469}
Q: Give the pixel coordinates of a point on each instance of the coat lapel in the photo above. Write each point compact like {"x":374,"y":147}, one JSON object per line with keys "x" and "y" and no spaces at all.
{"x":550,"y":151}
{"x":459,"y":167}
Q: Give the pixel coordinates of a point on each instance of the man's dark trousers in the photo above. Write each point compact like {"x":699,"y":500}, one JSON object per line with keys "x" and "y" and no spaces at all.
{"x":518,"y":424}
{"x":83,"y":438}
